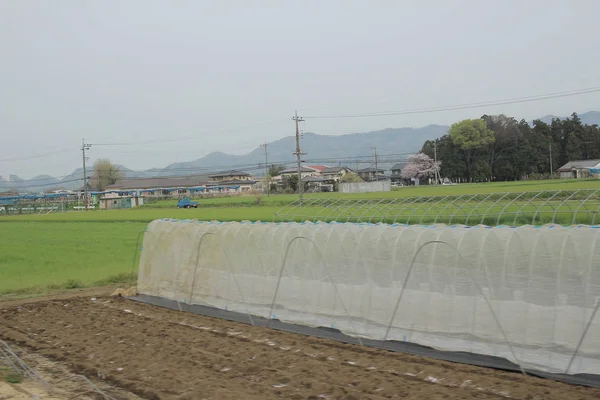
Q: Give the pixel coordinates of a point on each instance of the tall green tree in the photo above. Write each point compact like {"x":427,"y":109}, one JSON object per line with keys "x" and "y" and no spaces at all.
{"x":541,"y":141}
{"x":275,"y":170}
{"x":507,"y":140}
{"x":290,"y":182}
{"x":471,"y":136}
{"x":453,"y":164}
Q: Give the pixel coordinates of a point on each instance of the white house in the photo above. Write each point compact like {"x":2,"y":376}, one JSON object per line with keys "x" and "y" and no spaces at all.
{"x":304,"y":171}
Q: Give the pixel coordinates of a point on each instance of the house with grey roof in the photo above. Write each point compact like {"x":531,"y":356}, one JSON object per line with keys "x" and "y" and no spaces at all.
{"x":229,"y":176}
{"x":371,"y":174}
{"x":579,"y":169}
{"x":304,"y":171}
{"x":397,"y":172}
{"x":334,"y":174}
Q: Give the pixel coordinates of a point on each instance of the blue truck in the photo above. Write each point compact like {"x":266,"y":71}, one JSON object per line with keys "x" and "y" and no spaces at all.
{"x":185,"y":202}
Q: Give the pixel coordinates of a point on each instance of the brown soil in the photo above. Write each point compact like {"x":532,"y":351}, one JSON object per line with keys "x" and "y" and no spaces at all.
{"x":162,"y":354}
{"x":54,"y":381}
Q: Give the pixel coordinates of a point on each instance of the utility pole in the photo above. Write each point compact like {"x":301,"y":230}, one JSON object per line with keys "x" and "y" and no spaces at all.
{"x":550,"y":145}
{"x":298,"y":153}
{"x":266,"y":169}
{"x":85,"y":147}
{"x":437,"y":180}
{"x":376,"y":163}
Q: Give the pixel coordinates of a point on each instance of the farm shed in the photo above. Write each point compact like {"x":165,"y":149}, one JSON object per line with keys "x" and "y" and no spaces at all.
{"x":578,"y":169}
{"x":109,"y":202}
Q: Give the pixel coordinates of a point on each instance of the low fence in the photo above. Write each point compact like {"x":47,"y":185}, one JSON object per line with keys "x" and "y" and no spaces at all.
{"x":42,"y":207}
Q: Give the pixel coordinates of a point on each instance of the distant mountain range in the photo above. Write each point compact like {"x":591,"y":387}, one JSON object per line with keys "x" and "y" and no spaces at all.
{"x":349,"y":150}
{"x":588,"y":118}
{"x":352,"y":150}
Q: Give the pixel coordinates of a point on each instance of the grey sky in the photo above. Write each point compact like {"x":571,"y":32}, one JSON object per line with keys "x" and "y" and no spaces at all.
{"x":122,"y":71}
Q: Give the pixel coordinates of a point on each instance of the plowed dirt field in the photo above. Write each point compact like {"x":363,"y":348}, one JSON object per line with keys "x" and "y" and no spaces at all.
{"x":155,"y":353}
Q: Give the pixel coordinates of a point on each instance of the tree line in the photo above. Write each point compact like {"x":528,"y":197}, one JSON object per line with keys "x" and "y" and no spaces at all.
{"x":500,"y":148}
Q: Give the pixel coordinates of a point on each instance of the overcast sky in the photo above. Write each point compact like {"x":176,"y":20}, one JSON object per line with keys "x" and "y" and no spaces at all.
{"x":227,"y":75}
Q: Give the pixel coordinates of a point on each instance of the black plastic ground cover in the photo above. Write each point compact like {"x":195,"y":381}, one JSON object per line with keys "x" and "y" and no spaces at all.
{"x":480,"y":360}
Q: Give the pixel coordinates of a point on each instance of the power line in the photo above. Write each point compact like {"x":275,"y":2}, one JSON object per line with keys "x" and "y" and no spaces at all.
{"x":195,"y":136}
{"x":34,"y":156}
{"x":41,"y":184}
{"x":514,"y":100}
{"x":213,"y":168}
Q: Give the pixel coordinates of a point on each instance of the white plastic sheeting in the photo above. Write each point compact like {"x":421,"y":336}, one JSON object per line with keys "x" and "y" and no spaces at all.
{"x":526,"y":294}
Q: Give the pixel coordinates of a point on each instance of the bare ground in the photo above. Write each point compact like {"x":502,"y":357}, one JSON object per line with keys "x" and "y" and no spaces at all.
{"x":155,"y":353}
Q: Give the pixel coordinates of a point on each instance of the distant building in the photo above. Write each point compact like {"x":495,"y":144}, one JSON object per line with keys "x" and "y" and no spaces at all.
{"x":229,"y":176}
{"x":226,"y":182}
{"x":317,"y":184}
{"x":397,"y":172}
{"x":334,"y":174}
{"x":371,"y":174}
{"x":160,"y":187}
{"x":234,"y":185}
{"x":318,"y":168}
{"x":8,"y":198}
{"x":579,"y":169}
{"x":304,"y":171}
{"x":110,"y":201}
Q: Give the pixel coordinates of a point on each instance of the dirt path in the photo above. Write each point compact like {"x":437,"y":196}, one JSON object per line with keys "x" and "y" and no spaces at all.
{"x":163,"y":354}
{"x":7,"y":301}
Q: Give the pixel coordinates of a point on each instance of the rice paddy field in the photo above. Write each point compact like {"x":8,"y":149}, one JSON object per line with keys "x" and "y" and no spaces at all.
{"x":48,"y":252}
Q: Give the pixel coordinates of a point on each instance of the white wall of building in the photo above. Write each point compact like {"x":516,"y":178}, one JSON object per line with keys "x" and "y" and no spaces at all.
{"x":365,"y":187}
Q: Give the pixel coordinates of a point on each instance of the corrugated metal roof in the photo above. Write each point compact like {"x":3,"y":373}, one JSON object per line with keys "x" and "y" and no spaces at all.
{"x":578,"y":164}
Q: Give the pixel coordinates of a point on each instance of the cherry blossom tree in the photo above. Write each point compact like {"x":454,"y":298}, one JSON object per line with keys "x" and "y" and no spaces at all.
{"x":420,"y":166}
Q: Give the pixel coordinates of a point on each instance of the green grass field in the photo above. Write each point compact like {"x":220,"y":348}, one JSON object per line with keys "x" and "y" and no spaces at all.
{"x":37,"y":257}
{"x":403,"y":192}
{"x":39,"y":253}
